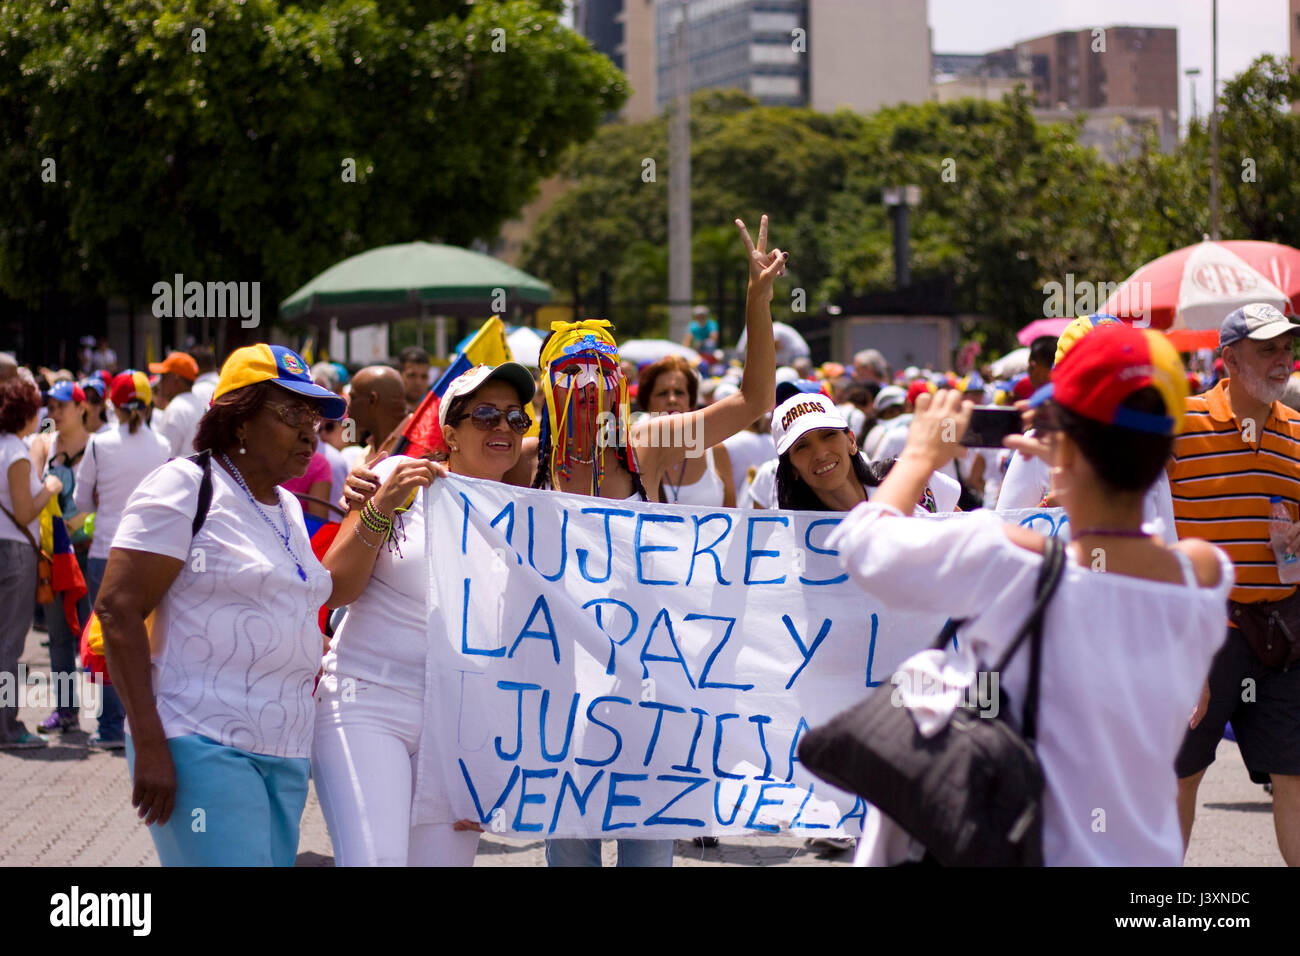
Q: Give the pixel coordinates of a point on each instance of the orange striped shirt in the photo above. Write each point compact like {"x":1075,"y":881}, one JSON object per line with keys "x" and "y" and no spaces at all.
{"x":1221,"y":485}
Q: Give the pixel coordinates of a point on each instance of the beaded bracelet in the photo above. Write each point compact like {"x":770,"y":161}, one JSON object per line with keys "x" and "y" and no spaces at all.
{"x":374,"y":520}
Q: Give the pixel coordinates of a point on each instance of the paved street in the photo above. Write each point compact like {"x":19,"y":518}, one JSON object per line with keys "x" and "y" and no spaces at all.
{"x":69,"y":805}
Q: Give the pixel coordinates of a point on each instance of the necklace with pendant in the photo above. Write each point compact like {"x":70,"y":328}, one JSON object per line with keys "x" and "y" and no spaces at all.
{"x":283,"y":536}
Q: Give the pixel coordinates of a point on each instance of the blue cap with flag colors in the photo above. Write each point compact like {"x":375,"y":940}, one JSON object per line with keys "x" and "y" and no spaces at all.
{"x":285,"y":368}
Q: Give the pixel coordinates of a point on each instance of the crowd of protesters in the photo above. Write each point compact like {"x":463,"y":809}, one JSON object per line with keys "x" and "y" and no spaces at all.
{"x":263,"y":455}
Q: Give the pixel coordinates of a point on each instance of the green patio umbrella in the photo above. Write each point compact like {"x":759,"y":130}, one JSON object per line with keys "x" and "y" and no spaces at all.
{"x":414,"y":279}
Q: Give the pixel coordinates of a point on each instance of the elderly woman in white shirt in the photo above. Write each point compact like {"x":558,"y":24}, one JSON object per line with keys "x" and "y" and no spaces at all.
{"x":218,"y":692}
{"x":1129,"y":635}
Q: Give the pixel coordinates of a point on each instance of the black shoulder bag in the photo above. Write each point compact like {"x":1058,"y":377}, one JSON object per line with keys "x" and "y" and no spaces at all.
{"x":972,"y":793}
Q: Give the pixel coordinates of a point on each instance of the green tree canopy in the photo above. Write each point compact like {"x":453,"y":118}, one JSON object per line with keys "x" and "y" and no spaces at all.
{"x":214,"y":137}
{"x":1008,"y":203}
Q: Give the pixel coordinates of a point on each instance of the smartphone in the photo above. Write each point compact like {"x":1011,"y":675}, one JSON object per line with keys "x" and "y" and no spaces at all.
{"x":989,"y":424}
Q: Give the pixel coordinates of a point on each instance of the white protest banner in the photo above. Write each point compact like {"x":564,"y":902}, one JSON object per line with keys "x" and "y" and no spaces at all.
{"x":608,"y":668}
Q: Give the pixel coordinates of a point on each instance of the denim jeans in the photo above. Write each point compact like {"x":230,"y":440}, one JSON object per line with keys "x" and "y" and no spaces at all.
{"x":17,"y":599}
{"x":630,"y":853}
{"x":64,"y":644}
{"x":112,"y":716}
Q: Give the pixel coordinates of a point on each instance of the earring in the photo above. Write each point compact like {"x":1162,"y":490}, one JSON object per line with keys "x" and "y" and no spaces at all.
{"x":242,"y":449}
{"x":455,"y":448}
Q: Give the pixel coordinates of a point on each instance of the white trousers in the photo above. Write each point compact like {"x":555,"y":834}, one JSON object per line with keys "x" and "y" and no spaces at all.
{"x":363,"y":761}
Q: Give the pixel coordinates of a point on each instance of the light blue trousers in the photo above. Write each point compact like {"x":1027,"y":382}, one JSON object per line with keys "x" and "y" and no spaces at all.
{"x":233,"y":808}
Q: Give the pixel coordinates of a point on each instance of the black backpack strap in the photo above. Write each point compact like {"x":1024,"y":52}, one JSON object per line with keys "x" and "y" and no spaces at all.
{"x":948,"y":633}
{"x":1049,"y":576}
{"x":204,"y":460}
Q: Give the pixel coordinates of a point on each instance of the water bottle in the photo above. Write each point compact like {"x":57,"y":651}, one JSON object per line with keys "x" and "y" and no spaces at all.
{"x":1279,"y":521}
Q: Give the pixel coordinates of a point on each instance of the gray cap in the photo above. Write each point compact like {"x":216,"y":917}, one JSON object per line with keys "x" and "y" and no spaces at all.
{"x":1259,"y":321}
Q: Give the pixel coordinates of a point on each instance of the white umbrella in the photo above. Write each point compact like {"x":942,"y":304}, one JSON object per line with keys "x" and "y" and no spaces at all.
{"x":525,"y":344}
{"x":789,"y":343}
{"x":1013,"y":363}
{"x":645,"y":351}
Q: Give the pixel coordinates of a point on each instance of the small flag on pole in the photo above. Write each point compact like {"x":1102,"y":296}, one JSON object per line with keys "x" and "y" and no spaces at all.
{"x":423,"y":434}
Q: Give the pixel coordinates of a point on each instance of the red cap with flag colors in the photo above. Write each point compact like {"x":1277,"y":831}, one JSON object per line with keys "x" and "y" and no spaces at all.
{"x":130,"y":387}
{"x":1108,"y":365}
{"x":281,"y":366}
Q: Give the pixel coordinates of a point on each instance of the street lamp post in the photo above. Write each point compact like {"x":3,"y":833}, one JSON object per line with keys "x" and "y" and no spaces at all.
{"x":900,"y":200}
{"x":1214,"y":120}
{"x":679,"y":187}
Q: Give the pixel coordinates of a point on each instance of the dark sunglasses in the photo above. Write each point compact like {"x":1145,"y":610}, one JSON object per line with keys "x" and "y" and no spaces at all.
{"x":487,"y":417}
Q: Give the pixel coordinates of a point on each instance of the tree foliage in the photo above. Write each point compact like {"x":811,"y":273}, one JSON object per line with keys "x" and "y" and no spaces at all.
{"x":222,"y":154}
{"x":1008,"y":204}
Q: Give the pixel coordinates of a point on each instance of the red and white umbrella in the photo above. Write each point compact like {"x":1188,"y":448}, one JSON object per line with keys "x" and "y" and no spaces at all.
{"x":1187,"y":293}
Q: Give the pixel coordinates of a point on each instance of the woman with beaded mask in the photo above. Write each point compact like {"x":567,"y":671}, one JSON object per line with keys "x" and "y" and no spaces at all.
{"x":586,"y":446}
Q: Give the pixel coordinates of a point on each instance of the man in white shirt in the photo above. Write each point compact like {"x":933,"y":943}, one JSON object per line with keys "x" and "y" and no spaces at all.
{"x":206,"y":383}
{"x":180,"y":421}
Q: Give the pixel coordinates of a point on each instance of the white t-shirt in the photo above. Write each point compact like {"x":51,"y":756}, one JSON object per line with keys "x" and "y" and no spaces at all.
{"x":180,"y":422}
{"x":12,"y":449}
{"x":204,"y":387}
{"x":1028,"y":479}
{"x":384,"y":636}
{"x":114,"y":463}
{"x":1123,"y":664}
{"x":235,"y":641}
{"x":338,"y":473}
{"x":854,"y":416}
{"x":748,"y":450}
{"x":761,"y":492}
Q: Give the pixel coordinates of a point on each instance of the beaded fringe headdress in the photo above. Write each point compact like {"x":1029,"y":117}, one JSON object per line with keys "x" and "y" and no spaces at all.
{"x":577,"y":354}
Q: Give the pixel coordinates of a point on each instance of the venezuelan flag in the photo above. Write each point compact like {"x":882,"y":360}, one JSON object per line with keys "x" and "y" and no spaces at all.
{"x":67,"y":578}
{"x":488,"y":347}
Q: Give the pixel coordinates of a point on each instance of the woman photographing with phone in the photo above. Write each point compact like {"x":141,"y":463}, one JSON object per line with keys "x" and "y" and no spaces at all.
{"x":1130,"y":633}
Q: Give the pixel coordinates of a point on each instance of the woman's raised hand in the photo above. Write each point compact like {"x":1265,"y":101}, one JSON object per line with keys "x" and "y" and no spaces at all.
{"x":764,"y":266}
{"x":938,"y":426}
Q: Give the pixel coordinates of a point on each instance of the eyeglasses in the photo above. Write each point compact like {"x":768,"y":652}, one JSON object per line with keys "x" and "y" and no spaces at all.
{"x":297,"y":415}
{"x":487,"y":417}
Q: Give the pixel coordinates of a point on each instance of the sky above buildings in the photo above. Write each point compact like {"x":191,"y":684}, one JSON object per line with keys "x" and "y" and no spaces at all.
{"x":1247,"y":28}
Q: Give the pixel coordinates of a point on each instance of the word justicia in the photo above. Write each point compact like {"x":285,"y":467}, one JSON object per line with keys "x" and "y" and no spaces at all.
{"x":662,"y":430}
{"x":213,"y":300}
{"x":980,"y":694}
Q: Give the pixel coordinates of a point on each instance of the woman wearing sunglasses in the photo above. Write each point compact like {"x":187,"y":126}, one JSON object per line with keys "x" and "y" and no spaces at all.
{"x":370,"y":702}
